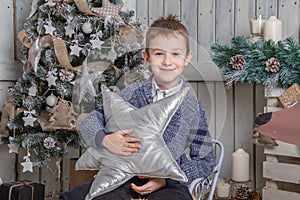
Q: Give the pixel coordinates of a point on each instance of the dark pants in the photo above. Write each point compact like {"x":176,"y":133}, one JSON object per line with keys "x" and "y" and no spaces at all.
{"x":124,"y":192}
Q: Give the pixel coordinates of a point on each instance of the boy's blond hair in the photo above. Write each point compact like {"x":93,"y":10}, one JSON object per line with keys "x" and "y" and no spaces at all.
{"x":166,"y":26}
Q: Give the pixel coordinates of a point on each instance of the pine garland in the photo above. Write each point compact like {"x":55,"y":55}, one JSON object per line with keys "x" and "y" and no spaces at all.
{"x":263,"y":62}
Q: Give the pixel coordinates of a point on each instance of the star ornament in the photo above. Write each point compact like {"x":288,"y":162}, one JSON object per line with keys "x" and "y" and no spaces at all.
{"x":49,"y":29}
{"x":13,"y":148}
{"x":109,"y":10}
{"x":86,"y":82}
{"x":75,"y":50}
{"x":153,"y":159}
{"x":96,"y":44}
{"x":27,"y":165}
{"x":29,"y":120}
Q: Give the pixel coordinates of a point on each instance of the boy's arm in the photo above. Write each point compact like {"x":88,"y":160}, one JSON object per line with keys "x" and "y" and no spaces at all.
{"x":202,"y":158}
{"x":92,"y":128}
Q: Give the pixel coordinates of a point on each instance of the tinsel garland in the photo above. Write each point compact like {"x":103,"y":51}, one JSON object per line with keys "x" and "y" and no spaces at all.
{"x":264,"y":62}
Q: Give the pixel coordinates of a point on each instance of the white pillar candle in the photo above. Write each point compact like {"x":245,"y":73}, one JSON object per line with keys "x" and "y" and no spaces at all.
{"x":273,"y":29}
{"x":240,"y":165}
{"x":223,"y":190}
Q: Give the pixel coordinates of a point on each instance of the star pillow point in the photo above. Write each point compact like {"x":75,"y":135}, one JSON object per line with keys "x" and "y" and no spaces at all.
{"x":148,"y":123}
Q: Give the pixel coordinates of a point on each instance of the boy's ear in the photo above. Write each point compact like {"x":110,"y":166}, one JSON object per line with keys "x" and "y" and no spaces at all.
{"x":145,"y":56}
{"x":188,"y":58}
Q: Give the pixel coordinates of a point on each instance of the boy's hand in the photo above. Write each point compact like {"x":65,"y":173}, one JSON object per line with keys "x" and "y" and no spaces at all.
{"x":152,"y":185}
{"x":118,"y":144}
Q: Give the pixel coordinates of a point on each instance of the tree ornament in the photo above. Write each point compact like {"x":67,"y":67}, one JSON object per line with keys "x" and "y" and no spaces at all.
{"x":96,"y":44}
{"x":61,"y":53}
{"x":237,"y":62}
{"x":87,"y":27}
{"x":49,"y":29}
{"x":66,"y":75}
{"x":49,"y":142}
{"x":63,"y":116}
{"x":69,"y":30}
{"x":75,"y":50}
{"x":32,"y":91}
{"x":272,"y":65}
{"x":29,"y":120}
{"x":13,"y":148}
{"x":27,"y":164}
{"x":51,"y":100}
{"x":109,"y":10}
{"x":51,"y":78}
{"x":86,"y":81}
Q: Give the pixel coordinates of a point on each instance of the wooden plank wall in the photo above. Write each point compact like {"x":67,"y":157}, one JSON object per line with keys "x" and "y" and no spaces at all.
{"x":230,"y":112}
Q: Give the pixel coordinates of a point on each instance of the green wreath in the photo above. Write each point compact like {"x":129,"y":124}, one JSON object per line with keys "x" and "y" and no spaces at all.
{"x":259,"y":62}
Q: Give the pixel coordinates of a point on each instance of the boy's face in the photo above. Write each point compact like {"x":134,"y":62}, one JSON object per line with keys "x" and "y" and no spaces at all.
{"x":168,"y":57}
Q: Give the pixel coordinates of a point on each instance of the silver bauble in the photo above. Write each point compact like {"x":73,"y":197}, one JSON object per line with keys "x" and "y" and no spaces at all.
{"x":51,"y":100}
{"x":87,"y":27}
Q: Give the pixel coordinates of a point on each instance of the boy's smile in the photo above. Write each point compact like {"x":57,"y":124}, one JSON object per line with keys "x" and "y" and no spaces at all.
{"x":168,"y":57}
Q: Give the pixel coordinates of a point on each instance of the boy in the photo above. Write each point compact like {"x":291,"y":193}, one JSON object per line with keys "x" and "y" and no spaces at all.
{"x":167,"y":52}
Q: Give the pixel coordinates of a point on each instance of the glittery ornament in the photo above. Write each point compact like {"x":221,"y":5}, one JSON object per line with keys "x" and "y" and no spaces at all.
{"x":66,"y":75}
{"x":49,"y":142}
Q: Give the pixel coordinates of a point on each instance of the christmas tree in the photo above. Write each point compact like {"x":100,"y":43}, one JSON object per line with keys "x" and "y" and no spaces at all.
{"x":70,"y":48}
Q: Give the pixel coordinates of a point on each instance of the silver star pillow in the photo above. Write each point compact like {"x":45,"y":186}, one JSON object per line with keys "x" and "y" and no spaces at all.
{"x":153,"y":159}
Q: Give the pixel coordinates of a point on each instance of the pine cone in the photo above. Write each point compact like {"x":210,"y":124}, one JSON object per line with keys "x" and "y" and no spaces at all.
{"x":272,"y":65}
{"x":237,"y":62}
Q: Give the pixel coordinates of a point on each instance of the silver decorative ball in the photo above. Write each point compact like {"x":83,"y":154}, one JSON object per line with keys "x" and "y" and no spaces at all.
{"x":51,"y":100}
{"x":87,"y":27}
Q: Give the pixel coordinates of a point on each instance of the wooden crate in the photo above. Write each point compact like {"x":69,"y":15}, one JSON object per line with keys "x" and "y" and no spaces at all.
{"x":282,"y":172}
{"x":281,"y":169}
